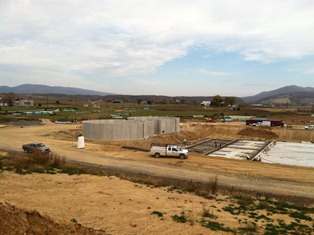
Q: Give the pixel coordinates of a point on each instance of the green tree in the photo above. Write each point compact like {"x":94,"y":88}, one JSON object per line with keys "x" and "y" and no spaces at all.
{"x":229,"y":100}
{"x":9,"y":98}
{"x":217,"y":101}
{"x":138,"y":101}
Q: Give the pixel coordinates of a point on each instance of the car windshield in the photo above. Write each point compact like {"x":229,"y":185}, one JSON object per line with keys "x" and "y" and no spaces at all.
{"x":40,"y":145}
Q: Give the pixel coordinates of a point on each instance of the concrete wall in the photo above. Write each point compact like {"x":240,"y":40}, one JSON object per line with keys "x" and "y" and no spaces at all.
{"x":135,"y":128}
{"x":162,"y":124}
{"x":117,"y":130}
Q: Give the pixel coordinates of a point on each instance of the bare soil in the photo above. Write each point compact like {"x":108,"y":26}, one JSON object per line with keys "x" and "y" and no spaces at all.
{"x":114,"y":206}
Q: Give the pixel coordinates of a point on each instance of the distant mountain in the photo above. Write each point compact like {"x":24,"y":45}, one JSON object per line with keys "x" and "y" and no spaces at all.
{"x":43,"y":89}
{"x":294,"y":95}
{"x":288,"y":94}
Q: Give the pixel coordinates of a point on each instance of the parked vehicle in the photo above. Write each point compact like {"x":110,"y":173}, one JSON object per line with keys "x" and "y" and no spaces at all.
{"x":310,"y":127}
{"x":263,"y":123}
{"x":168,"y":150}
{"x":256,"y":124}
{"x":32,"y":147}
{"x":270,"y":123}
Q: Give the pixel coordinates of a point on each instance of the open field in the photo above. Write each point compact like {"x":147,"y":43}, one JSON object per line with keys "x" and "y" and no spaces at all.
{"x":122,"y":207}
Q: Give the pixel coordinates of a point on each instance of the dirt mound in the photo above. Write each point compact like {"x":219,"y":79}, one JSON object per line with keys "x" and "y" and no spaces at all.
{"x":258,"y":133}
{"x":71,"y":134}
{"x":15,"y":220}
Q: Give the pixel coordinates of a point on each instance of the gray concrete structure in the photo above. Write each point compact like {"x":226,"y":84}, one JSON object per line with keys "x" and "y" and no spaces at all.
{"x":135,"y":128}
{"x":162,"y":124}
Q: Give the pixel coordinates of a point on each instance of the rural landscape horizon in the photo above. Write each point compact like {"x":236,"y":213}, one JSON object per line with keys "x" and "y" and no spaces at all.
{"x":157,"y":117}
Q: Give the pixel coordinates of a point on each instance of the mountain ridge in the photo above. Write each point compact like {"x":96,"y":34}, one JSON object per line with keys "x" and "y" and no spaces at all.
{"x":286,"y":90}
{"x":288,"y":94}
{"x":44,"y":89}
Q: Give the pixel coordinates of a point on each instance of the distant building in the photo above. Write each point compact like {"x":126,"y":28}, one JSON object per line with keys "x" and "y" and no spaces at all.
{"x":263,"y":122}
{"x":117,"y":101}
{"x":3,"y":103}
{"x":24,"y":102}
{"x":257,"y":105}
{"x":206,"y":103}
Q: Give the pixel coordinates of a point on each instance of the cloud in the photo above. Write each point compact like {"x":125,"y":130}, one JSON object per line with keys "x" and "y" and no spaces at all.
{"x":115,"y":38}
{"x":212,"y":73}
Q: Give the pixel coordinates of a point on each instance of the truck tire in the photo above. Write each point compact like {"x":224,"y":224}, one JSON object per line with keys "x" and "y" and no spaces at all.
{"x":182,"y":156}
{"x":157,"y":155}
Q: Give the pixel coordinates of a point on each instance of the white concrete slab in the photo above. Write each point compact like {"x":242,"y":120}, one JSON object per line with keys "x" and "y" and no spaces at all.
{"x":286,"y":153}
{"x":241,"y":149}
{"x":297,"y":154}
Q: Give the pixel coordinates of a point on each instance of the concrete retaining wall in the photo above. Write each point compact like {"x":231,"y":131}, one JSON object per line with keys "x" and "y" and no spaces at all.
{"x":135,"y":128}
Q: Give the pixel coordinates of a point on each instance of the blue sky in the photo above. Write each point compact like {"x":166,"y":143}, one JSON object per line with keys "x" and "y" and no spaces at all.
{"x":155,"y":47}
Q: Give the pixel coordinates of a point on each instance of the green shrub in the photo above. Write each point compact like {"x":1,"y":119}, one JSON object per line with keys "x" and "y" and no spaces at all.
{"x":180,"y":218}
{"x":215,"y":226}
{"x":299,"y":215}
{"x":159,"y":214}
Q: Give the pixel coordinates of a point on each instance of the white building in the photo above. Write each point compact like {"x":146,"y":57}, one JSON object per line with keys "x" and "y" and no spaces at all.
{"x":25,"y":102}
{"x":206,"y":103}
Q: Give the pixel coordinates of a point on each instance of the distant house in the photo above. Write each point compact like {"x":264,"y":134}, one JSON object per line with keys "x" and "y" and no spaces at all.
{"x":117,"y":101}
{"x":3,"y":102}
{"x":257,"y":105}
{"x":24,"y":102}
{"x":206,"y":103}
{"x":263,"y":122}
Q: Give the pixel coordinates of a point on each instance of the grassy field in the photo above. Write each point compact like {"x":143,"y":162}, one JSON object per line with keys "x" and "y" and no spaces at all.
{"x":75,"y":111}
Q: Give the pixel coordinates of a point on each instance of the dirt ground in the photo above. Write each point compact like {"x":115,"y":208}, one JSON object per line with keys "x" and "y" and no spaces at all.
{"x":122,"y":207}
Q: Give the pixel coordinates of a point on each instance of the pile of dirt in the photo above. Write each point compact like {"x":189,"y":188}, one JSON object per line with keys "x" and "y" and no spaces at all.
{"x":22,"y":221}
{"x":258,"y":133}
{"x":71,"y":134}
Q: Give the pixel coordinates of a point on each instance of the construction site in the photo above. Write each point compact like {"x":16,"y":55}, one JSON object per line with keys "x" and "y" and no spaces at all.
{"x":253,"y":159}
{"x":145,"y":128}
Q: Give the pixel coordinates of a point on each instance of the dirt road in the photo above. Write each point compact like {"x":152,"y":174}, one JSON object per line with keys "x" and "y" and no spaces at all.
{"x":255,"y":176}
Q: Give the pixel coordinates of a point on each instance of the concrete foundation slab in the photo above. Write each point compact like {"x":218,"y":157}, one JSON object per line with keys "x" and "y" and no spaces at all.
{"x":297,"y":154}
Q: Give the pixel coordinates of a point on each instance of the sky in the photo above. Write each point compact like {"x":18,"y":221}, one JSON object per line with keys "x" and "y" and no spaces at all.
{"x":154,"y":47}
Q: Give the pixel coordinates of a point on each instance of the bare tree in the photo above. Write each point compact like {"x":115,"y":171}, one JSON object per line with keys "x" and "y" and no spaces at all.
{"x":9,"y":98}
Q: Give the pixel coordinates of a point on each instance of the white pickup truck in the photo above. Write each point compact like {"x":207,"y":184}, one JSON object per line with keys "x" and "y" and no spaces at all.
{"x":310,"y":127}
{"x":168,"y":150}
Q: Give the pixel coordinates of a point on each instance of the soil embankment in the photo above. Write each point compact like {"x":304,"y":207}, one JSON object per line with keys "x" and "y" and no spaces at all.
{"x":15,"y":220}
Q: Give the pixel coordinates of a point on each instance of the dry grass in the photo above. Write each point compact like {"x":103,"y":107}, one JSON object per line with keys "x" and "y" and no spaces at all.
{"x":241,"y":204}
{"x":35,"y":162}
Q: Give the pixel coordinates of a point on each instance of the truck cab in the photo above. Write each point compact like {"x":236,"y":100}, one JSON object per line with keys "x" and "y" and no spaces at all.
{"x":169,"y":151}
{"x":310,"y":127}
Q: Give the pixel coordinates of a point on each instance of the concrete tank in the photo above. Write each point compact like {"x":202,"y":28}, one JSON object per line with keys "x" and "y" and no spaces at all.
{"x":162,"y":124}
{"x":135,"y":128}
{"x":117,"y":129}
